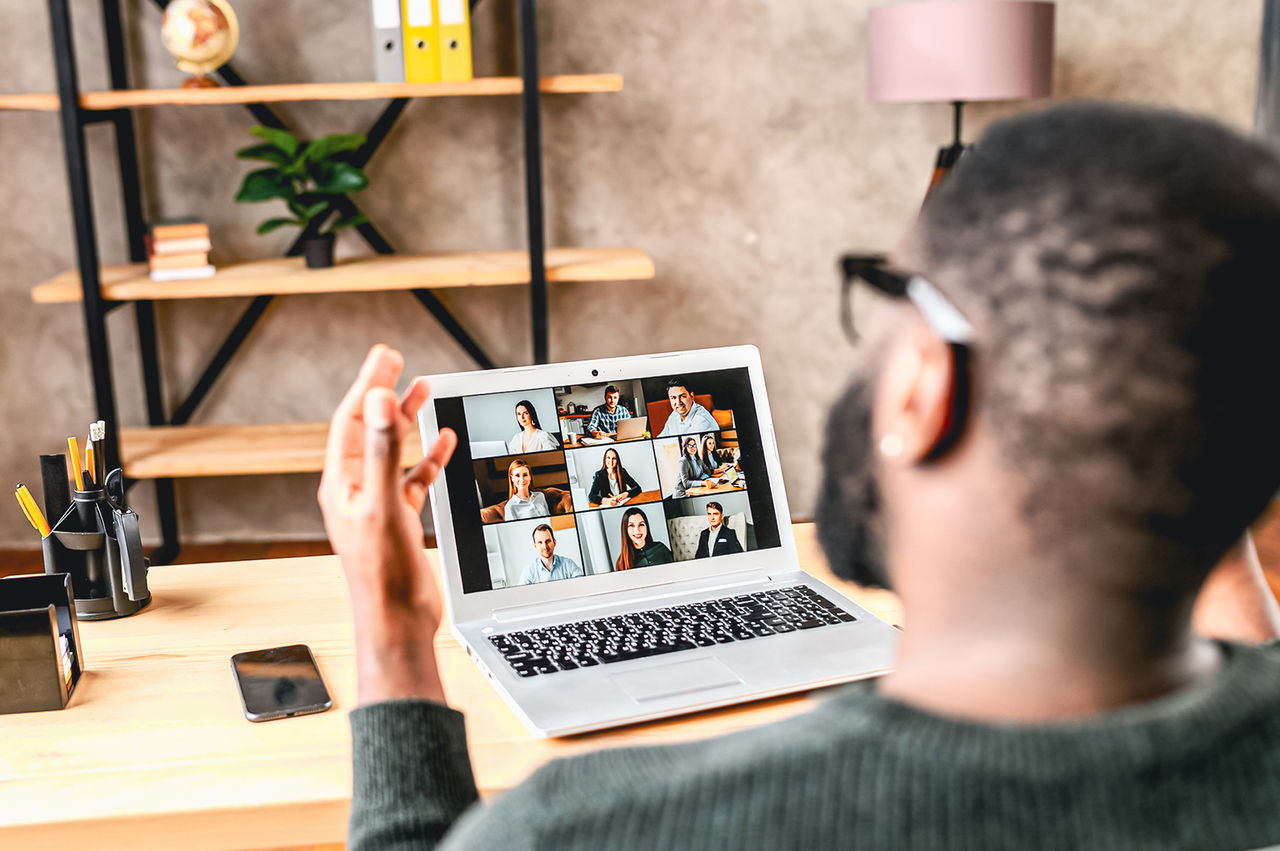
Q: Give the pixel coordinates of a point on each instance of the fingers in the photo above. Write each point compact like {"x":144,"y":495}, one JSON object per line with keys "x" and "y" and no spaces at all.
{"x":381,"y":368}
{"x":381,"y":448}
{"x":424,"y":473}
{"x":414,"y":398}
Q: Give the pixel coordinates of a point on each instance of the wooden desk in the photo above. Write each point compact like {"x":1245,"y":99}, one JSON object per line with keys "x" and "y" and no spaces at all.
{"x":570,"y":442}
{"x":153,"y":751}
{"x":642,"y":497}
{"x":718,"y":487}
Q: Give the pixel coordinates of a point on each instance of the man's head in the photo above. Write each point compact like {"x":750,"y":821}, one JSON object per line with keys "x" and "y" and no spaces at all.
{"x":714,"y":514}
{"x":611,"y":397}
{"x":1117,"y":265}
{"x":544,"y":541}
{"x":679,"y":396}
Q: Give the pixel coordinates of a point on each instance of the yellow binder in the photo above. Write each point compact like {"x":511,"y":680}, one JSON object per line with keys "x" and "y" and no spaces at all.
{"x":455,"y":39}
{"x":421,"y":42}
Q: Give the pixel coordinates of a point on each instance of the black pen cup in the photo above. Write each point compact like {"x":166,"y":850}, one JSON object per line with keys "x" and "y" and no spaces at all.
{"x":84,"y":544}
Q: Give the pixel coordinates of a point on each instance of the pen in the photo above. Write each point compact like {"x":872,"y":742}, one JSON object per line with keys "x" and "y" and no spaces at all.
{"x":100,"y":451}
{"x":73,"y":452}
{"x":29,"y":508}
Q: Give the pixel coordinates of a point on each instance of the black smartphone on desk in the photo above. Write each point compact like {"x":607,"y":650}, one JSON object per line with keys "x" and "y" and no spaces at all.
{"x":279,"y":682}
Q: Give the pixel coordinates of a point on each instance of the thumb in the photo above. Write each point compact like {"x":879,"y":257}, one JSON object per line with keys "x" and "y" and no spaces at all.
{"x":381,"y":447}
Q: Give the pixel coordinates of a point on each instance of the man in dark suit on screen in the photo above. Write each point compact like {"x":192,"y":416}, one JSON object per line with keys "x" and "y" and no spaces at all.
{"x":718,"y":539}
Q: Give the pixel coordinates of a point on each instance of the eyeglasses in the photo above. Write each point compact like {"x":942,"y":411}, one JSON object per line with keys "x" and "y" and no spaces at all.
{"x":942,"y":317}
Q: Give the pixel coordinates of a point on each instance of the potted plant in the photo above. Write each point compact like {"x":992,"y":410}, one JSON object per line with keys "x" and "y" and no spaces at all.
{"x":312,"y":178}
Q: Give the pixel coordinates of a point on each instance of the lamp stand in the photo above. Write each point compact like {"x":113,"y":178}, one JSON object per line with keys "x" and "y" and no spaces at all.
{"x":948,"y":155}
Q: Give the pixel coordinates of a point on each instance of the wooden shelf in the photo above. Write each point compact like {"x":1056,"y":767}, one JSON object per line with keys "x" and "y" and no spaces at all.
{"x":189,"y":451}
{"x":289,"y":276}
{"x":560,"y":84}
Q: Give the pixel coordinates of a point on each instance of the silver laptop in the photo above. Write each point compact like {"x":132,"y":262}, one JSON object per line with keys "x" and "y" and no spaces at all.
{"x":587,"y":598}
{"x":632,"y":428}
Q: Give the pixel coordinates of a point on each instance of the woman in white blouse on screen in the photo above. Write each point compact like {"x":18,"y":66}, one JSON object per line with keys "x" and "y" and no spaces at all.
{"x":522,"y":501}
{"x":530,"y":437}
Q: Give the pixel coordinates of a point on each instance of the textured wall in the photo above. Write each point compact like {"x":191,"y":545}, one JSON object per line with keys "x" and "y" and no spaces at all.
{"x":742,"y":155}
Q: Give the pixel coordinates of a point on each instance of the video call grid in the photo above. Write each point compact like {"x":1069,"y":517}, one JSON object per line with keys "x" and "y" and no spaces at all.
{"x":728,"y":385}
{"x":665,"y":501}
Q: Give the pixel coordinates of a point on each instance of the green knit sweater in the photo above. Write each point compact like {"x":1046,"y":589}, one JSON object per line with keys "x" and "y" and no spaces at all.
{"x":1199,"y":769}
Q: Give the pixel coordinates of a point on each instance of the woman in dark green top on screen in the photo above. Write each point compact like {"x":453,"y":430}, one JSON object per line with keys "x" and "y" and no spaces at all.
{"x":638,"y":549}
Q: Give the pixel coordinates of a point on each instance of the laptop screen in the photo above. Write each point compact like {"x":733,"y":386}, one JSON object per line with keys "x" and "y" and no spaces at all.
{"x":559,"y":483}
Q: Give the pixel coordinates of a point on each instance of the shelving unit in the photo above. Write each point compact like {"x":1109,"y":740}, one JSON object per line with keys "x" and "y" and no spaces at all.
{"x":289,"y":276}
{"x":241,"y":450}
{"x":171,"y":447}
{"x":563,"y":84}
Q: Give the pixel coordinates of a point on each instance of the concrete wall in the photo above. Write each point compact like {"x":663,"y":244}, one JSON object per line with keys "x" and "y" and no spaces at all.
{"x":743,"y":155}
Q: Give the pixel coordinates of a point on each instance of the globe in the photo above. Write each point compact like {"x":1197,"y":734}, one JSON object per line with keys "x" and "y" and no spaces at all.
{"x":201,"y":35}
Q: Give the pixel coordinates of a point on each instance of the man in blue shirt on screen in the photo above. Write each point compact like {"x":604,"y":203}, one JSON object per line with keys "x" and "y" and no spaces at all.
{"x":604,"y":418}
{"x":687,"y":416}
{"x":548,"y":566}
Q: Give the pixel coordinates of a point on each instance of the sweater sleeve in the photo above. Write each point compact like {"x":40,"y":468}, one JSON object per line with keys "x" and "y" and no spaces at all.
{"x":412,"y":775}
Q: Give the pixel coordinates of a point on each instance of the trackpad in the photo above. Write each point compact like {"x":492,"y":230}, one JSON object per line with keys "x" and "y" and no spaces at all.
{"x":677,"y":678}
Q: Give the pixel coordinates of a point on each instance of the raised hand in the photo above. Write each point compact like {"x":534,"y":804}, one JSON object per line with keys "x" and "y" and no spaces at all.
{"x":372,"y":514}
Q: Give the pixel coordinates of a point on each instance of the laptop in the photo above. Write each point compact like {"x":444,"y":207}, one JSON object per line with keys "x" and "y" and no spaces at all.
{"x":585,"y":614}
{"x":632,"y":428}
{"x":628,"y":429}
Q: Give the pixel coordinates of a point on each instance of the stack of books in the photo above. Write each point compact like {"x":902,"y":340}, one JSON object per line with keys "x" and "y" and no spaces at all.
{"x":179,"y":251}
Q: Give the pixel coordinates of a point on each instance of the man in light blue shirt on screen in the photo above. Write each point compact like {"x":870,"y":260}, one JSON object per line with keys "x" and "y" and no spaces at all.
{"x":687,"y":416}
{"x":548,"y":566}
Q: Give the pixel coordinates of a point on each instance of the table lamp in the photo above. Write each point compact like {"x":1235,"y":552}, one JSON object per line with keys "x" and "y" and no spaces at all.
{"x":959,"y":51}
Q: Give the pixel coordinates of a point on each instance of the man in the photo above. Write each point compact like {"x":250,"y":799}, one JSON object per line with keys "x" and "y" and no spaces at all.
{"x":717,"y":539}
{"x":604,"y":418}
{"x":688,"y":417}
{"x":1046,"y":471}
{"x":547,"y":566}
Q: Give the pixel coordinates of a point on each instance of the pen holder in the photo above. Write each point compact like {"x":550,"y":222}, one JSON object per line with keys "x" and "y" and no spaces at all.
{"x":100,"y":547}
{"x":40,"y":656}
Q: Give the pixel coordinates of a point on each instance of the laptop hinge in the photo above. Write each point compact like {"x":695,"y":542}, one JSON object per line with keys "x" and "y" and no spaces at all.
{"x":630,"y":597}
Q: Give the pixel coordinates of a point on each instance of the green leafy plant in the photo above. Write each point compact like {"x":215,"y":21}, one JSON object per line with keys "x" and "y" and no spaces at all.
{"x":311,"y":177}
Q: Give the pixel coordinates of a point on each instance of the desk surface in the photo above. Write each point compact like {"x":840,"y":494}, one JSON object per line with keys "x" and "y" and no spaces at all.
{"x":718,"y":487}
{"x":153,"y":751}
{"x":642,"y":497}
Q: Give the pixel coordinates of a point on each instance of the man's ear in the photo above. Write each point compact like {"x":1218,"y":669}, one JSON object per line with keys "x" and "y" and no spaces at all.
{"x":914,"y":400}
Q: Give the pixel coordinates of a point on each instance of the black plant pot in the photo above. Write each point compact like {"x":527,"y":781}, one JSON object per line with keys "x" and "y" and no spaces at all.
{"x":319,"y":251}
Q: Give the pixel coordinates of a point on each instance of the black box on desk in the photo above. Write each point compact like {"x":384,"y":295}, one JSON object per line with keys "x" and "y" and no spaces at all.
{"x":40,"y":657}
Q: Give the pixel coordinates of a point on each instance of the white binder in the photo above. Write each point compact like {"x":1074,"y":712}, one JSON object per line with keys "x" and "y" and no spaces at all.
{"x":388,"y":42}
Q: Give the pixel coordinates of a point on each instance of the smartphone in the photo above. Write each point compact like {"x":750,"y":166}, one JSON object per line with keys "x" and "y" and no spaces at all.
{"x":279,"y":682}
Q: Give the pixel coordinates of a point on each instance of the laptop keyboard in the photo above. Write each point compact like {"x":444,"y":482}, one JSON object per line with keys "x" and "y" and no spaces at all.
{"x":636,"y":635}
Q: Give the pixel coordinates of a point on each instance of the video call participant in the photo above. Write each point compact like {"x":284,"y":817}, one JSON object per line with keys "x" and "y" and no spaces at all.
{"x":547,"y":566}
{"x":689,"y":417}
{"x":638,"y":549}
{"x":612,"y":485}
{"x":692,"y":473}
{"x":717,"y":539}
{"x":715,"y":461}
{"x":523,"y":503}
{"x":604,"y":418}
{"x":530,"y":437}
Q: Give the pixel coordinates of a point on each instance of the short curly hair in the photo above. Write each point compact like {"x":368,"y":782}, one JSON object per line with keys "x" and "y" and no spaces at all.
{"x":1120,"y":266}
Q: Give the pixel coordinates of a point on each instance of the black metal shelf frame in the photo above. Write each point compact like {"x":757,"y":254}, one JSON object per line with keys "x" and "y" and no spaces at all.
{"x":74,"y":118}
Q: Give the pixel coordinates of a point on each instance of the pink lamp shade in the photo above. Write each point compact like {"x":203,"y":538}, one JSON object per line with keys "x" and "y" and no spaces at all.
{"x":960,"y":50}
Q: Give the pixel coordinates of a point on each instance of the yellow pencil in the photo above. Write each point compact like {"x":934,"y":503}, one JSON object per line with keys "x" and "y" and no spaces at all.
{"x":73,"y":452}
{"x":88,"y":459}
{"x":33,"y":512}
